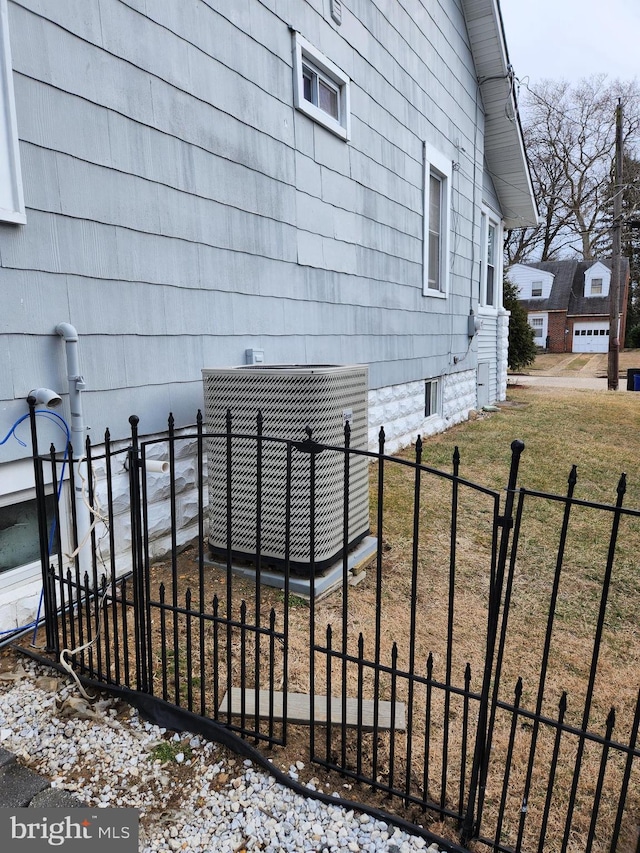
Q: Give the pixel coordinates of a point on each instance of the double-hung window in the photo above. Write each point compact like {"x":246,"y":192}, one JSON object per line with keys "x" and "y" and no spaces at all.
{"x":437,"y":215}
{"x":11,"y":198}
{"x":490,"y":285}
{"x":434,"y":272}
{"x":320,"y":88}
{"x":490,"y":271}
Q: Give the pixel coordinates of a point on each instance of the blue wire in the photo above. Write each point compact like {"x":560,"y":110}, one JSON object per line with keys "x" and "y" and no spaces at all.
{"x":64,"y":426}
{"x":57,"y":419}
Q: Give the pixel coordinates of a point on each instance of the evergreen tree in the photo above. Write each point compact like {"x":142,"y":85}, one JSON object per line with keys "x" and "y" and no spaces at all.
{"x":630,"y":238}
{"x":631,"y":245}
{"x":522,"y":347}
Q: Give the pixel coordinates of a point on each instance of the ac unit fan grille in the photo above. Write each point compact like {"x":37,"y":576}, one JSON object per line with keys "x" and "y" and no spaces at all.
{"x":290,"y":400}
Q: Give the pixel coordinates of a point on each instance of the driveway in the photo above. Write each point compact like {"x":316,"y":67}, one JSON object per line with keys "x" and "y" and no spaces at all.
{"x":590,"y":383}
{"x":576,"y":370}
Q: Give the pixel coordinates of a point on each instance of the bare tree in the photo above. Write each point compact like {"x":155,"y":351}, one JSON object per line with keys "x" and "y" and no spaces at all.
{"x":570,"y":137}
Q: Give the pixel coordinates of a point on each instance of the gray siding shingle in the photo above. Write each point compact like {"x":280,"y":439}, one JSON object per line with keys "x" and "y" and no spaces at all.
{"x":180,"y":210}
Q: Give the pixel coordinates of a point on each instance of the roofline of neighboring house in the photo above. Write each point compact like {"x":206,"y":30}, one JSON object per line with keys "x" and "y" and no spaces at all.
{"x":505,"y":153}
{"x":586,"y":314}
{"x":529,"y":305}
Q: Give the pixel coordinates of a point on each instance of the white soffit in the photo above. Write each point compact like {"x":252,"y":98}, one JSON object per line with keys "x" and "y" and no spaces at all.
{"x":504,"y":147}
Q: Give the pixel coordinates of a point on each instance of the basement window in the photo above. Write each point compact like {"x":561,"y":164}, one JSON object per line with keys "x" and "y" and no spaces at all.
{"x":19,"y":539}
{"x":320,"y":88}
{"x":431,"y":397}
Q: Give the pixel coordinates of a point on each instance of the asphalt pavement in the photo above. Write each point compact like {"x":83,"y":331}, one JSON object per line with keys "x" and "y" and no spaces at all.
{"x":21,"y":787}
{"x":589,"y":383}
{"x":586,"y":371}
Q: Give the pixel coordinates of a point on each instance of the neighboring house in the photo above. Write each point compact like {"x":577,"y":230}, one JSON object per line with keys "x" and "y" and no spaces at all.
{"x":567,"y":302}
{"x":195,"y":183}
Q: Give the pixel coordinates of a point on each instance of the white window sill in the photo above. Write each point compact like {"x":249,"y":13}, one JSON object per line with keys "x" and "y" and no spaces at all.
{"x":12,"y":579}
{"x":13,"y":217}
{"x":320,"y":117}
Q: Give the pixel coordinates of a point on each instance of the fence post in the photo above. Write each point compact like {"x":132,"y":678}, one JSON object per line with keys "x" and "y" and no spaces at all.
{"x":471,"y":823}
{"x":48,"y":589}
{"x":137,"y":561}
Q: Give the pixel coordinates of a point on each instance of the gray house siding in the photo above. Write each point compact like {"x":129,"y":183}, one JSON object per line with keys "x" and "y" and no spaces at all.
{"x":486,"y":352}
{"x":489,"y":195}
{"x":180,"y":211}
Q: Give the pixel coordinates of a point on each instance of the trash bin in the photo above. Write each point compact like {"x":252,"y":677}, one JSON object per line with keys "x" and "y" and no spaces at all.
{"x":632,"y":379}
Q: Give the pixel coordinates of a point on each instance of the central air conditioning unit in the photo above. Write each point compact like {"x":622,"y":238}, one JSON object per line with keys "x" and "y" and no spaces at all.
{"x":291,"y":398}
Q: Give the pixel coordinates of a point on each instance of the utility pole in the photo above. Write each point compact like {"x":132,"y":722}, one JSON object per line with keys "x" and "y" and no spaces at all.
{"x":616,"y":257}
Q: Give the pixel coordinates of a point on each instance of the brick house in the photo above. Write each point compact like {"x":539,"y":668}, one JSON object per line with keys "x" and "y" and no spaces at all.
{"x":567,"y":302}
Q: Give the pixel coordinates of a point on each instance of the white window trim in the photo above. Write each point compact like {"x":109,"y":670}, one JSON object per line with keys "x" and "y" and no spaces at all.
{"x":434,"y":380}
{"x":598,"y":270}
{"x":434,"y":161}
{"x":18,"y":478}
{"x":487,"y":217}
{"x":545,"y":325}
{"x":304,"y":51}
{"x":11,"y":196}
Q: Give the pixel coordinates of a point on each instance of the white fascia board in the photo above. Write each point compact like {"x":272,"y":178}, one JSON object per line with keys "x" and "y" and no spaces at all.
{"x":11,"y":195}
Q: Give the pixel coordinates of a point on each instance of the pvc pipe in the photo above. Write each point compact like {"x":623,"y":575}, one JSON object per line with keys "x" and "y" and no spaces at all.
{"x":153,"y":466}
{"x":76,"y":386}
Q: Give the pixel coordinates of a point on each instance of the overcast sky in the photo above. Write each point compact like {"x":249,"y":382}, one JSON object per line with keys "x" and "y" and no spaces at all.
{"x":571,"y":39}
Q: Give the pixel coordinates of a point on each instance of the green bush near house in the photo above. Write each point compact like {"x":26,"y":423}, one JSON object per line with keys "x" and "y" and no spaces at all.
{"x":633,"y":337}
{"x":522,"y":347}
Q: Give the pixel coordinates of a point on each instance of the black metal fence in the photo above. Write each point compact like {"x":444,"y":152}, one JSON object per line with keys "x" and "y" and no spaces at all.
{"x":477,"y":676}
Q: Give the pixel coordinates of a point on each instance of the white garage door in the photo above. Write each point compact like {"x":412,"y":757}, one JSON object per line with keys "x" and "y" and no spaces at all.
{"x":591,"y":337}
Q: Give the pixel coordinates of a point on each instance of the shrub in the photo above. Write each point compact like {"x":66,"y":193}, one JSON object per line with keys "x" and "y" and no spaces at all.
{"x":633,"y":337}
{"x":522,"y":347}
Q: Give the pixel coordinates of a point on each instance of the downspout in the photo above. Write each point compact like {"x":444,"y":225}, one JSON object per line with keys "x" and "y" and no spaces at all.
{"x":76,"y":386}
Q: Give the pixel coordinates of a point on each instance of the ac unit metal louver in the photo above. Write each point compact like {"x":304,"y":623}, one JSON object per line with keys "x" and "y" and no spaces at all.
{"x":290,"y":399}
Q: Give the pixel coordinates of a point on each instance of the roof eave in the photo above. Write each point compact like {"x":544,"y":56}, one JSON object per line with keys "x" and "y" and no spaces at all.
{"x":504,"y":143}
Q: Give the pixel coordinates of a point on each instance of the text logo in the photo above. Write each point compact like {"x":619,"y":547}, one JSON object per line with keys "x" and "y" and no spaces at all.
{"x":32,"y":829}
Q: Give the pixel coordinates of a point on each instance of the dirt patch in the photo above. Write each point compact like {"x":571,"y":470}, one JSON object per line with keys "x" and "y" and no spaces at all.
{"x":412,"y":599}
{"x":586,"y":364}
{"x":316,"y":753}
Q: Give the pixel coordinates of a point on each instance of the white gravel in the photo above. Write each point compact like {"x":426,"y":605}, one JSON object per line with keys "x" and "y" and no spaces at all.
{"x":204,"y":799}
